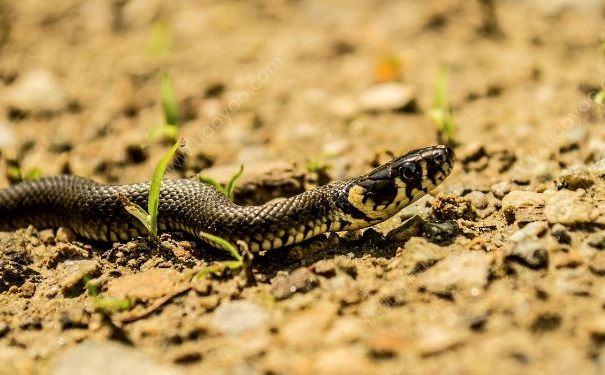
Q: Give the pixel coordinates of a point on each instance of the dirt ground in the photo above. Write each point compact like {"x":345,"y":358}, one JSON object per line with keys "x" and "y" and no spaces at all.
{"x":506,"y":273}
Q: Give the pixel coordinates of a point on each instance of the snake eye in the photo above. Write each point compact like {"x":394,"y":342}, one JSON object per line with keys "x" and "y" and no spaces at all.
{"x":440,"y":157}
{"x":409,"y":171}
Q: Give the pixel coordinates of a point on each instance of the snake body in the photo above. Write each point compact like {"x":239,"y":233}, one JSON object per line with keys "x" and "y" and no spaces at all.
{"x":94,"y":210}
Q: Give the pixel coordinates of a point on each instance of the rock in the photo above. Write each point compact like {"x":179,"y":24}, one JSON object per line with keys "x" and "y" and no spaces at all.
{"x":146,"y":285}
{"x":386,"y":97}
{"x":237,"y":317}
{"x":300,"y":280}
{"x":530,"y":231}
{"x":597,"y":264}
{"x":576,"y":177}
{"x":74,"y":272}
{"x":596,"y":240}
{"x":419,"y":255}
{"x":37,"y":91}
{"x":523,"y":206}
{"x":7,"y":137}
{"x":384,"y":343}
{"x":468,"y":272}
{"x":477,"y":199}
{"x":435,"y":340}
{"x":570,"y":208}
{"x":65,"y":235}
{"x":107,"y":358}
{"x":559,"y":232}
{"x":531,"y":253}
{"x":501,"y":189}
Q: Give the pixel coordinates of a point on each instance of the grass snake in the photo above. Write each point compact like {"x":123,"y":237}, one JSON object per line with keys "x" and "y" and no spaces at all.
{"x":94,"y":211}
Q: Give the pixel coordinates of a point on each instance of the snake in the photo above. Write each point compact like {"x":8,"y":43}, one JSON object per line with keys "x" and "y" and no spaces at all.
{"x":96,"y":211}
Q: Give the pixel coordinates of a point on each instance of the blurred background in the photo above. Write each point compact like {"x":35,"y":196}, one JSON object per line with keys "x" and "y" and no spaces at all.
{"x":317,"y":83}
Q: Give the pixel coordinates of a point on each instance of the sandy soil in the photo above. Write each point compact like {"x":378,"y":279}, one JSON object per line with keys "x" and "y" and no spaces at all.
{"x":506,"y":274}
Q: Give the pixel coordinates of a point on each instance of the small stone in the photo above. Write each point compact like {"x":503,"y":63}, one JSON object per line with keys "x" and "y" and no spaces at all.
{"x":107,"y":358}
{"x":530,"y":231}
{"x":519,"y":204}
{"x":325,"y":267}
{"x":570,"y":208}
{"x":47,"y":236}
{"x":384,"y":343}
{"x":596,"y":240}
{"x":74,"y":272}
{"x":435,"y":340}
{"x":7,"y":137}
{"x":576,"y":177}
{"x":237,"y":317}
{"x":300,"y":280}
{"x":562,"y":235}
{"x":419,"y":255}
{"x":65,"y":235}
{"x":37,"y":91}
{"x":146,"y":285}
{"x":531,"y":253}
{"x":597,"y":264}
{"x":501,"y":189}
{"x":387,"y":97}
{"x":477,"y":199}
{"x":467,"y":272}
{"x":27,"y":289}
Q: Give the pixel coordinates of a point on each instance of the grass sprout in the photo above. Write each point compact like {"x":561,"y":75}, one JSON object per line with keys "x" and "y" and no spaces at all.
{"x":440,"y":112}
{"x":160,"y":39}
{"x":149,"y":218}
{"x":219,"y":267}
{"x":229,"y":188}
{"x":169,"y":130}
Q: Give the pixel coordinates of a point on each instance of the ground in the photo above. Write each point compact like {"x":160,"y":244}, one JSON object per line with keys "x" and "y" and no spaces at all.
{"x":506,"y":271}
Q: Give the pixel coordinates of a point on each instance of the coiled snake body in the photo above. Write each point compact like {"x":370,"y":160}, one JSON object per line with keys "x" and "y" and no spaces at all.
{"x":94,"y":211}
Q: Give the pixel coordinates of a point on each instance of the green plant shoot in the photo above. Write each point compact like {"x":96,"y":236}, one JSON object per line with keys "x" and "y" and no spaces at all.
{"x":440,"y":113}
{"x":149,"y":218}
{"x":229,"y":188}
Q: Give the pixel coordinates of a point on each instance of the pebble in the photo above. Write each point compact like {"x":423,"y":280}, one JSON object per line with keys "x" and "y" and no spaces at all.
{"x":501,"y":189}
{"x":596,"y":240}
{"x":420,"y":255}
{"x":576,"y":177}
{"x":237,"y":317}
{"x":569,"y":208}
{"x":107,"y":358}
{"x":65,"y":235}
{"x":477,"y":199}
{"x":146,"y":285}
{"x":301,"y":280}
{"x":561,"y":234}
{"x":523,"y":205}
{"x":37,"y":91}
{"x":386,"y":97}
{"x":468,"y":271}
{"x":73,"y":273}
{"x":434,"y":340}
{"x":7,"y":137}
{"x":530,"y":231}
{"x":531,"y":253}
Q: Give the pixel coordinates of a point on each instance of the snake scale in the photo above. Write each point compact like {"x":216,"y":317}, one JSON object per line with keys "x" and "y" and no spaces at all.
{"x":94,"y":211}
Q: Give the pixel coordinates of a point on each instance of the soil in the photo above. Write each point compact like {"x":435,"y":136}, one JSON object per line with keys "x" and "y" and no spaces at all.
{"x":504,"y":272}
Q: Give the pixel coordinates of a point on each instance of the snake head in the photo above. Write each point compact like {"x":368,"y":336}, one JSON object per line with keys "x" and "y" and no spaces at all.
{"x":392,"y":186}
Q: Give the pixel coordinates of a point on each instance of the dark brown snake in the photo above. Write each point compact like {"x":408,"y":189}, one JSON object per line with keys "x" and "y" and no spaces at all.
{"x":94,"y":211}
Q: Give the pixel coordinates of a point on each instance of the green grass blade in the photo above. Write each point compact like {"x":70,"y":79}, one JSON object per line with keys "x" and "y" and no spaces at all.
{"x":230,"y":187}
{"x":136,"y":211}
{"x":440,"y":95}
{"x":224,"y":244}
{"x":169,"y":103}
{"x":156,"y":183}
{"x":213,"y":183}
